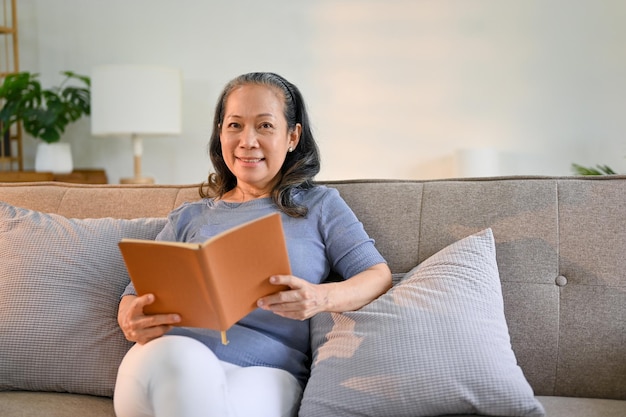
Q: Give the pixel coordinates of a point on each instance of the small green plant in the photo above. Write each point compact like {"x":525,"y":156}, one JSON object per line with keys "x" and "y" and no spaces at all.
{"x":44,"y":113}
{"x":597,"y":170}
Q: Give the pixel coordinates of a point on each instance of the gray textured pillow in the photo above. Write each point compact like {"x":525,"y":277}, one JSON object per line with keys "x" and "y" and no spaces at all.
{"x":60,"y":282}
{"x":437,"y":343}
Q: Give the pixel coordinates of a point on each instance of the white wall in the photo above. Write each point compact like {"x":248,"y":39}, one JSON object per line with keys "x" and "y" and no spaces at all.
{"x":396,"y":88}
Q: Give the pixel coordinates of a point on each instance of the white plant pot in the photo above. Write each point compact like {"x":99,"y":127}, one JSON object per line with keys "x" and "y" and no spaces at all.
{"x":54,"y":157}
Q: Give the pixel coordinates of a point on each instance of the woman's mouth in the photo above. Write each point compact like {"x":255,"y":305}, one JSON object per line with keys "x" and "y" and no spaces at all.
{"x":249,"y":161}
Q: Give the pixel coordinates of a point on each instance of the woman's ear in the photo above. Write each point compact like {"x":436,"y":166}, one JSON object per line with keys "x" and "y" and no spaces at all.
{"x":294,"y":136}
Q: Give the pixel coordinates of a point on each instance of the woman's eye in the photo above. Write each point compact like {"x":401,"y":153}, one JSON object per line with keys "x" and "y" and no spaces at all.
{"x":233,"y":125}
{"x":266,"y":125}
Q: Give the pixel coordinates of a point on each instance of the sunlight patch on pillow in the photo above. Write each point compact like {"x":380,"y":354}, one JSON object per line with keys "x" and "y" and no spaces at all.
{"x":343,"y":346}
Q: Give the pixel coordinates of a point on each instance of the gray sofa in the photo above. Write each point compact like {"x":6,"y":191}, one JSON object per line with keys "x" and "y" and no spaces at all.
{"x":560,"y":247}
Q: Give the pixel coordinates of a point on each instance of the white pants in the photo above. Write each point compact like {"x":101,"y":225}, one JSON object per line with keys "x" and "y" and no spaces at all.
{"x":177,"y":376}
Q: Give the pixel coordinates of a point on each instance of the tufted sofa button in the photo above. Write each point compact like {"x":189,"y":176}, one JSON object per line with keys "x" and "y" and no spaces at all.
{"x":561,"y":281}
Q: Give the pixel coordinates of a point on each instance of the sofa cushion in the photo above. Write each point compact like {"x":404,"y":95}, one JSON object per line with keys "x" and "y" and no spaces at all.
{"x":60,"y":283}
{"x":53,"y":404}
{"x":437,"y":343}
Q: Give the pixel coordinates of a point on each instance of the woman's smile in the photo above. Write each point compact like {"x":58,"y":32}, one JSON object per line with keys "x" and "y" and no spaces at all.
{"x":249,"y":162}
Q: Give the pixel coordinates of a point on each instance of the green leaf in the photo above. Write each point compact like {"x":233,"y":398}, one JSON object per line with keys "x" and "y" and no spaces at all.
{"x":597,"y":170}
{"x":606,"y":169}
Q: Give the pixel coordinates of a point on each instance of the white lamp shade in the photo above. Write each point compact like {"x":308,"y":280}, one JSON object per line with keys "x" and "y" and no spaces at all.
{"x":135,"y":100}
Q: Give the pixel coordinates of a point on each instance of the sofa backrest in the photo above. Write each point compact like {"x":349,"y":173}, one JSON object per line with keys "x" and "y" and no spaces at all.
{"x":560,"y":245}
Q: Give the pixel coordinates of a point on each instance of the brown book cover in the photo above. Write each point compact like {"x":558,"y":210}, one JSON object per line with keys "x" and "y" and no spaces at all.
{"x":212,"y":284}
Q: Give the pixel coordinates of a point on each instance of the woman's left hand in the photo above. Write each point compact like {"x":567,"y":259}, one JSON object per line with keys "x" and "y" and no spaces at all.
{"x":302,"y":301}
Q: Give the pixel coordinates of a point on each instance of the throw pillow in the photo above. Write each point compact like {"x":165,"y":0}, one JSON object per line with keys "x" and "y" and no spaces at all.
{"x":60,"y":283}
{"x":437,"y":343}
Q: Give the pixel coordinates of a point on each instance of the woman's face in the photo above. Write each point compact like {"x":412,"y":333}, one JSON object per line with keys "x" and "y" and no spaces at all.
{"x":254,"y":136}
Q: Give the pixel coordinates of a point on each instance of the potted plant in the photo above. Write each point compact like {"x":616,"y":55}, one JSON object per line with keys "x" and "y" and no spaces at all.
{"x":597,"y":170}
{"x":45,"y":113}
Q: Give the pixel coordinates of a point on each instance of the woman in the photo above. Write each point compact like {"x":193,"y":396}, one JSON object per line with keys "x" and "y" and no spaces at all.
{"x":265,"y":158}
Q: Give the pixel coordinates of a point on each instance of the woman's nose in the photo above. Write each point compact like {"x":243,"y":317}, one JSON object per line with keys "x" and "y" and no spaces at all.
{"x":248,"y":138}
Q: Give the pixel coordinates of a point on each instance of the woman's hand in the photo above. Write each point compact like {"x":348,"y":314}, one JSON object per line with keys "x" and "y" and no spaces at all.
{"x":303,"y":300}
{"x":137,"y":326}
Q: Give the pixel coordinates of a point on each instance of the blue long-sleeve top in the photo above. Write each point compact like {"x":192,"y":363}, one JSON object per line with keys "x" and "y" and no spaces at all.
{"x":329,"y":238}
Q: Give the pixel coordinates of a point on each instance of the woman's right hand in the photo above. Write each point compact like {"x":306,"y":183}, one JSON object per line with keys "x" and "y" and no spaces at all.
{"x":139,"y":327}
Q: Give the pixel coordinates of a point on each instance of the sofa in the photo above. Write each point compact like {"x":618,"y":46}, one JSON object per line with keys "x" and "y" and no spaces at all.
{"x":509,"y":298}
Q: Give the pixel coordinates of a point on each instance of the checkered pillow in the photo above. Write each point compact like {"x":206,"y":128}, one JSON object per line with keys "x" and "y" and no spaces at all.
{"x":437,"y":343}
{"x":60,"y":283}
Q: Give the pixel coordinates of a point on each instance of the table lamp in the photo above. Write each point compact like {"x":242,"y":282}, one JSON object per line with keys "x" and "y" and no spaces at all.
{"x":135,"y":101}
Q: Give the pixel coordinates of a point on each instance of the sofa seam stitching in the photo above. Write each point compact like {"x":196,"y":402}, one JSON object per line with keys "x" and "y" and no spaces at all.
{"x":559,"y":289}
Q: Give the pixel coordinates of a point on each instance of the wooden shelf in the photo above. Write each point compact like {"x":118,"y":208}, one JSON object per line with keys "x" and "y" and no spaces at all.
{"x":10,"y":64}
{"x":78,"y":176}
{"x":8,"y":160}
{"x":25,"y":176}
{"x":83,"y":176}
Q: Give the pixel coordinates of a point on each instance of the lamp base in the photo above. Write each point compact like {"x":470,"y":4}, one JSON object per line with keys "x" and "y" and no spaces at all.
{"x":137,"y":180}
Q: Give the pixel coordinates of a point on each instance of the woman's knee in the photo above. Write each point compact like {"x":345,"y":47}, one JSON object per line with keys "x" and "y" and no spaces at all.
{"x":171,"y":375}
{"x":276,"y":390}
{"x":172,"y":355}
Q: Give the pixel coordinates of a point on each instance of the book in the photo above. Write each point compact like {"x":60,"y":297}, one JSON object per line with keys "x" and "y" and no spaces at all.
{"x":212,"y":284}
